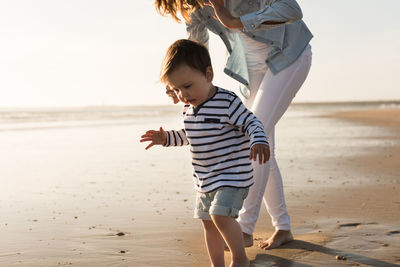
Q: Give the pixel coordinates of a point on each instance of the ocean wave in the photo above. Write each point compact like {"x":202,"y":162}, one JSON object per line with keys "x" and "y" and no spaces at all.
{"x":51,"y":118}
{"x":87,"y":113}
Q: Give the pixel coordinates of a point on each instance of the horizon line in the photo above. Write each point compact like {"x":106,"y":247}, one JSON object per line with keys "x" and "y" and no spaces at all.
{"x":351,"y":102}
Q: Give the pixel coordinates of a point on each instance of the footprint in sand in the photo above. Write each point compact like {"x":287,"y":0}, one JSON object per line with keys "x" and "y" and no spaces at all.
{"x":354,"y":224}
{"x":390,"y":233}
{"x":349,"y":225}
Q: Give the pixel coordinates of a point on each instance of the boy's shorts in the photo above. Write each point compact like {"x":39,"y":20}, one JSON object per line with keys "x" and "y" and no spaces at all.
{"x":224,"y":201}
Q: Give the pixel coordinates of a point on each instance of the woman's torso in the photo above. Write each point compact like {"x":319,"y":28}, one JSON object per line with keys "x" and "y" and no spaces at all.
{"x":281,"y":45}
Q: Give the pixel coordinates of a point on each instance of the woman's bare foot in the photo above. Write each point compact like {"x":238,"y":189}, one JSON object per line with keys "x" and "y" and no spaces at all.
{"x":247,"y":241}
{"x":278,"y":238}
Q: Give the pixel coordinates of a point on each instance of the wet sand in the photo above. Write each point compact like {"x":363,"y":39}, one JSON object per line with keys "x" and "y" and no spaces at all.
{"x":91,"y":196}
{"x":355,"y":211}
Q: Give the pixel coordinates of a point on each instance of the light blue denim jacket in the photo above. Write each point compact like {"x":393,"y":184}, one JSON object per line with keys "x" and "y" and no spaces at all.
{"x":286,"y":40}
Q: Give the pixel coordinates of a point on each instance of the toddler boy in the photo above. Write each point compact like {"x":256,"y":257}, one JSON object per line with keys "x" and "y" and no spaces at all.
{"x":223,"y":136}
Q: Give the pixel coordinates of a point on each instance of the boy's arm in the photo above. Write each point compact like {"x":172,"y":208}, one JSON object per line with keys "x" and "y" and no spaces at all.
{"x":239,"y":115}
{"x":165,"y":138}
{"x":176,"y":138}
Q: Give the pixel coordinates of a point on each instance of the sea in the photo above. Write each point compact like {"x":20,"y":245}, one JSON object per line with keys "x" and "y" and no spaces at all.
{"x":14,"y":119}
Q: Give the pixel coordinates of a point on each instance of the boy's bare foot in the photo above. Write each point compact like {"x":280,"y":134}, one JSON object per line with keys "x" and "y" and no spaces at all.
{"x":247,"y":241}
{"x":278,"y":238}
{"x":244,"y":263}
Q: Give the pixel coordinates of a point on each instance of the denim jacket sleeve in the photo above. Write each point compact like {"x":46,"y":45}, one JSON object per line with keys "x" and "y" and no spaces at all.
{"x":197,"y":30}
{"x":285,"y":11}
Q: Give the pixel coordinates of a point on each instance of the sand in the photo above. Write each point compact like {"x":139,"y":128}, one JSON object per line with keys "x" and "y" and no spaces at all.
{"x":355,"y":212}
{"x":91,"y":196}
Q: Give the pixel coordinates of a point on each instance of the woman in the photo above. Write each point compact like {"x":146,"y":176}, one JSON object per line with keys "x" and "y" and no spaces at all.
{"x":270,"y":55}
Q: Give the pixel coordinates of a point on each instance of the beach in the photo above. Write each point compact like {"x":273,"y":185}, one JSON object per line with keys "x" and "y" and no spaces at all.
{"x":77,"y":188}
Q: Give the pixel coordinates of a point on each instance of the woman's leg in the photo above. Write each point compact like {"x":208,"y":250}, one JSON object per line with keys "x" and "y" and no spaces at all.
{"x":269,"y":103}
{"x":248,"y":215}
{"x":274,"y":200}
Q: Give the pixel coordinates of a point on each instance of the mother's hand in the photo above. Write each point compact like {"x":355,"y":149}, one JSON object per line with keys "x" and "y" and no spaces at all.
{"x":223,"y":15}
{"x":170,"y":93}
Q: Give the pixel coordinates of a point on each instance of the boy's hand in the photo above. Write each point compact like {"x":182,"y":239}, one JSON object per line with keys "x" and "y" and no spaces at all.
{"x":262,"y":150}
{"x":156,"y":137}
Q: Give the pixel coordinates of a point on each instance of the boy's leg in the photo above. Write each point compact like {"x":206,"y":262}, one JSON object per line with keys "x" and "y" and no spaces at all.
{"x":214,"y":243}
{"x":232,"y":234}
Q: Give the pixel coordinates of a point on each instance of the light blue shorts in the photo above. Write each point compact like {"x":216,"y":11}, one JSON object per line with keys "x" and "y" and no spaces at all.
{"x":224,"y":201}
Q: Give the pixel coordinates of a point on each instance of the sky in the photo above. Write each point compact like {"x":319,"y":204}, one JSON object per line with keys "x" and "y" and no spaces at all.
{"x":102,"y":52}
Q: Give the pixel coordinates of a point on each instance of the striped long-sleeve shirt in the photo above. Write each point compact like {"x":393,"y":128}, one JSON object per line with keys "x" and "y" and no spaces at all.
{"x":220,"y":133}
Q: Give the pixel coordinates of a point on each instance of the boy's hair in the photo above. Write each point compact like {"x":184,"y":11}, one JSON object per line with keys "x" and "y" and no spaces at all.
{"x":184,"y":51}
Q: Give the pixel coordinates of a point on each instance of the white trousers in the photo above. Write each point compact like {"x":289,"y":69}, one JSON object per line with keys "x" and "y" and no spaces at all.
{"x":270,"y":97}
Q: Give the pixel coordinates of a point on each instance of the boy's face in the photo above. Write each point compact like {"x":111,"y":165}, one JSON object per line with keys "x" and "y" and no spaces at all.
{"x":190,"y":85}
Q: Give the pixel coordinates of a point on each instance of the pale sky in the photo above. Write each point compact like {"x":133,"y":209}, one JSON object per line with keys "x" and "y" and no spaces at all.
{"x":98,"y":52}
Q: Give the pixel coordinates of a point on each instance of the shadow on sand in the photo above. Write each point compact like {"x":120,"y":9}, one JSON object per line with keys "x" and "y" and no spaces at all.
{"x":307,"y":247}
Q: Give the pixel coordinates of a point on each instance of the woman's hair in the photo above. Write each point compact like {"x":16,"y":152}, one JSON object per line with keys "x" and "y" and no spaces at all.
{"x":173,"y":7}
{"x":193,"y":54}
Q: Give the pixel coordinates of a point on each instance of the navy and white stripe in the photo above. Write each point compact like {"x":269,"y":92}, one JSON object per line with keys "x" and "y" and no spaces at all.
{"x":220,"y":133}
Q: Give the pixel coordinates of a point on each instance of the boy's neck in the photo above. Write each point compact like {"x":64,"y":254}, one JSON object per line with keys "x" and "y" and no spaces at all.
{"x":211,"y":93}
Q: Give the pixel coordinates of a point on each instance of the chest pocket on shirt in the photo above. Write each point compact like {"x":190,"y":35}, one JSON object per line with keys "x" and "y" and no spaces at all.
{"x":212,"y":120}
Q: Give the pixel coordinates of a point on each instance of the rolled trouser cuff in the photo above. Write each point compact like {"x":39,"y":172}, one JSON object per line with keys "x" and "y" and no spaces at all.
{"x":224,"y":211}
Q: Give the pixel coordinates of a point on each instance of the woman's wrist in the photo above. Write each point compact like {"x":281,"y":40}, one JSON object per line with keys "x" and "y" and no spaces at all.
{"x":233,"y":23}
{"x":237,"y":23}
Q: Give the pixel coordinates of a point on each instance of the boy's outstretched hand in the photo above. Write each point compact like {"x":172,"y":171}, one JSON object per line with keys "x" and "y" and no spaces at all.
{"x":156,"y":137}
{"x":262,"y":150}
